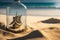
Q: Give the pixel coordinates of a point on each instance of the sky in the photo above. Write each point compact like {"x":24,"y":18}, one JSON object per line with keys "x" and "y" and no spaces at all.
{"x":31,"y":0}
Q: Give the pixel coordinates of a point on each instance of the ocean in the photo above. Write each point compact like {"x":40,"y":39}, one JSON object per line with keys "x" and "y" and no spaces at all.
{"x":31,"y":5}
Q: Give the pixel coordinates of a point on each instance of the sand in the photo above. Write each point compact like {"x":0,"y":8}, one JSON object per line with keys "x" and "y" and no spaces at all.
{"x":33,"y":21}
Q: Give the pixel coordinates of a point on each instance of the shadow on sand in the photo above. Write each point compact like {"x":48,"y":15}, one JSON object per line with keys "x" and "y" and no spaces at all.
{"x":34,"y":34}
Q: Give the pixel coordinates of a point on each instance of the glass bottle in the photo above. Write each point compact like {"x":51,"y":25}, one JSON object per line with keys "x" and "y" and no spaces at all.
{"x":16,"y":14}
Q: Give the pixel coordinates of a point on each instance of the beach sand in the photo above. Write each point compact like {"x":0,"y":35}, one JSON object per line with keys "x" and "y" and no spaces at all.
{"x":33,"y":18}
